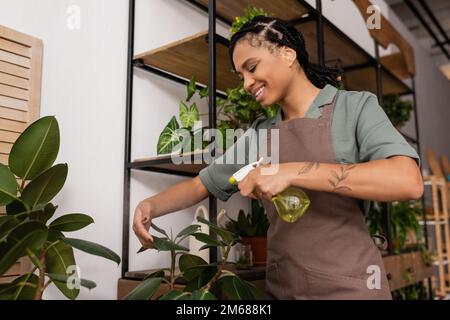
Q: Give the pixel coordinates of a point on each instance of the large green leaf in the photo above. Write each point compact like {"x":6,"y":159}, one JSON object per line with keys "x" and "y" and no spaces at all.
{"x":167,"y":245}
{"x":64,"y":278}
{"x":203,"y":294}
{"x":235,"y":288}
{"x":145,"y":290}
{"x":15,"y":207}
{"x":226,"y":235}
{"x":71,"y":222}
{"x":174,"y":295}
{"x":169,"y":137}
{"x":21,"y":288}
{"x":189,"y":230}
{"x":156,"y":274}
{"x":188,"y":115}
{"x":93,"y":248}
{"x":36,"y":148}
{"x":54,"y":235}
{"x":23,"y":237}
{"x":46,"y":186}
{"x":44,"y":214}
{"x":25,"y":228}
{"x":186,"y":264}
{"x":7,"y":224}
{"x":8,"y":185}
{"x":59,"y":258}
{"x":162,"y":231}
{"x":206,"y":274}
{"x":206,"y":238}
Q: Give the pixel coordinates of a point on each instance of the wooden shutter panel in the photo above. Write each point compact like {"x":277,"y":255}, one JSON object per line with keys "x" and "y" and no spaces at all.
{"x":20,"y":95}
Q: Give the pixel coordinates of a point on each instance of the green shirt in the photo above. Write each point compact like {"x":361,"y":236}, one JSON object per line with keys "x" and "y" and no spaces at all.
{"x":361,"y":132}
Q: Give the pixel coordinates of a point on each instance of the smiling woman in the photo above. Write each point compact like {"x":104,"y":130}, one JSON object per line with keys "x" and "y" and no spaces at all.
{"x":336,"y":145}
{"x":267,"y":45}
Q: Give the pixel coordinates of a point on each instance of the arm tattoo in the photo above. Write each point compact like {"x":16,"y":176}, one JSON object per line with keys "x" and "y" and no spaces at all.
{"x":338,"y":178}
{"x":308,"y":167}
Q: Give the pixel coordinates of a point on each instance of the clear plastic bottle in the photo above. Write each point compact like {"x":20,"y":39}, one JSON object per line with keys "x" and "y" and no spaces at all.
{"x":291,"y":204}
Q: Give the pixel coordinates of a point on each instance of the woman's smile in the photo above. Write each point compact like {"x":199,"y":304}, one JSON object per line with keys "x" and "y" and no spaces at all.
{"x":259,"y":93}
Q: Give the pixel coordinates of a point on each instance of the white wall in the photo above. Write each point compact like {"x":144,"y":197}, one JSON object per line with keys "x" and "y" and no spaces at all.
{"x":84,"y":86}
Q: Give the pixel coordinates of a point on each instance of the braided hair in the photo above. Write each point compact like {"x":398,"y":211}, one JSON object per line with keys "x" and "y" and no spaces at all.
{"x":275,"y":33}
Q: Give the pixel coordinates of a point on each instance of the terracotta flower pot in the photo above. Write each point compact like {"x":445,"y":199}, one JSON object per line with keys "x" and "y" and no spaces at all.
{"x":259,"y":249}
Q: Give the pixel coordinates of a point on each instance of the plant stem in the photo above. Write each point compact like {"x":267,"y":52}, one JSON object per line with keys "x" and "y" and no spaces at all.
{"x":172,"y":269}
{"x":41,"y":285}
{"x":52,"y":244}
{"x":18,"y":186}
{"x":22,"y":186}
{"x":47,"y":284}
{"x":219,"y":269}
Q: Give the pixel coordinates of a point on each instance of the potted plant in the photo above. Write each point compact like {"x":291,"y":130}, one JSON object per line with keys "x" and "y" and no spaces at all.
{"x":397,"y":110}
{"x":203,"y":281}
{"x":176,"y":137}
{"x":26,"y":230}
{"x":237,"y":111}
{"x":252,"y":229}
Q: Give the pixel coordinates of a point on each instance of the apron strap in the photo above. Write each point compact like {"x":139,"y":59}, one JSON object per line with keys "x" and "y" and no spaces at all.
{"x":328,"y":108}
{"x":383,"y":245}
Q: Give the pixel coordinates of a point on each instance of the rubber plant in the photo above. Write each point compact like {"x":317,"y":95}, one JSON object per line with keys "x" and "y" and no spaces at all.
{"x":27,"y":186}
{"x":204,"y":281}
{"x":253,"y":224}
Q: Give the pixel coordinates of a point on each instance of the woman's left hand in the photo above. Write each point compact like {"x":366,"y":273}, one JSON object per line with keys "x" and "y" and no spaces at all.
{"x":264,"y":182}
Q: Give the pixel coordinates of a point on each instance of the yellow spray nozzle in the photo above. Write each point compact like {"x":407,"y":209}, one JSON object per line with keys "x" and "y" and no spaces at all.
{"x":232,"y":180}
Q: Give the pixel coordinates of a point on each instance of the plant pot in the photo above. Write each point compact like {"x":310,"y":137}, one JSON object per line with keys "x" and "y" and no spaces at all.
{"x":259,"y":249}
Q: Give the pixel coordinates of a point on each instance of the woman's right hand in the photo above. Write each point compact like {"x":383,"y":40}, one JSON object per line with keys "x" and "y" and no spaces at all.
{"x":141,"y":223}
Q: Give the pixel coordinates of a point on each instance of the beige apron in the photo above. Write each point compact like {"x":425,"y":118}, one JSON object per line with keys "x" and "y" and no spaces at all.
{"x":327,"y":252}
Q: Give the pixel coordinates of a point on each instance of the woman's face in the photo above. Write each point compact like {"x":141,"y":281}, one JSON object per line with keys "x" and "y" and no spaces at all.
{"x":266,"y":74}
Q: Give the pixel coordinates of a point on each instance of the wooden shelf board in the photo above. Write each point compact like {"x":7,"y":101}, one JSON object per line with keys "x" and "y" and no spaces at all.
{"x":188,"y":57}
{"x":191,"y":163}
{"x":286,"y":9}
{"x":397,"y":265}
{"x":365,"y":80}
{"x":255,"y":273}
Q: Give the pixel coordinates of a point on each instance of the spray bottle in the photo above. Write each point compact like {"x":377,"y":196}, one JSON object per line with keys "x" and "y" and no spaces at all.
{"x":291,"y":203}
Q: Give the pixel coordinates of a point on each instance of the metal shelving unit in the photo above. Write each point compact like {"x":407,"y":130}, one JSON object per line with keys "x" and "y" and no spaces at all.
{"x":161,"y":164}
{"x":205,"y":55}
